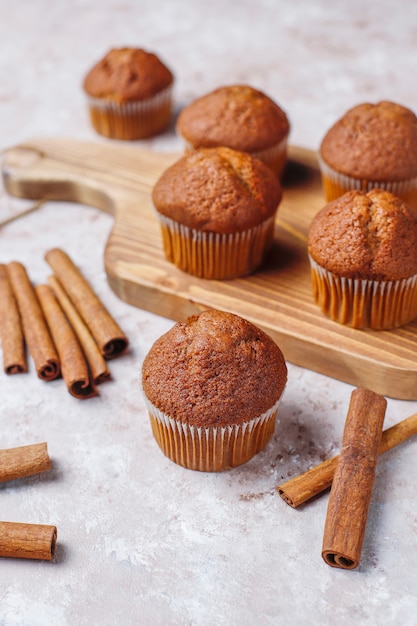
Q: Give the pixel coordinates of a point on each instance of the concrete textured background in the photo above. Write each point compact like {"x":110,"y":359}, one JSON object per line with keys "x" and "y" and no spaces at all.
{"x":141,"y":540}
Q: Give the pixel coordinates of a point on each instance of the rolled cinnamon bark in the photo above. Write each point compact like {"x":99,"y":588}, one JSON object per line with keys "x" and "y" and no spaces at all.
{"x":353,"y":481}
{"x":96,"y":362}
{"x":109,"y":337}
{"x":306,"y":486}
{"x":24,"y":461}
{"x":35,"y":329}
{"x":73,"y":364}
{"x":12,"y":339}
{"x":27,"y":541}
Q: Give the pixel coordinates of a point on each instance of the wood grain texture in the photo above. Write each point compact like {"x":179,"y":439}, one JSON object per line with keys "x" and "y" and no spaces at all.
{"x":278,"y":298}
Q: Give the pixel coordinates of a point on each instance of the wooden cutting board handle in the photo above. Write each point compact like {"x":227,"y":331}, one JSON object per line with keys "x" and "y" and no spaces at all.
{"x":74,"y":172}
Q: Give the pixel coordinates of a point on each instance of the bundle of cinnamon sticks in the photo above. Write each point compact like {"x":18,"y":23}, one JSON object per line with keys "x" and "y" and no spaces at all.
{"x":63,"y":324}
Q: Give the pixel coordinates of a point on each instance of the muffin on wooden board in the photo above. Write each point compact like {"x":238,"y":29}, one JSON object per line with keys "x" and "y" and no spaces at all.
{"x":371,"y":146}
{"x":363,"y":254}
{"x":216,"y":208}
{"x":212,"y":386}
{"x":129,"y":94}
{"x":238,"y":117}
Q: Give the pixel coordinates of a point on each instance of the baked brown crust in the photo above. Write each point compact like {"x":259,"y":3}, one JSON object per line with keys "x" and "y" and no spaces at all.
{"x":236,"y":116}
{"x":217,"y":190}
{"x":214,"y":369}
{"x":366,"y":235}
{"x":376,"y":142}
{"x":127,"y":74}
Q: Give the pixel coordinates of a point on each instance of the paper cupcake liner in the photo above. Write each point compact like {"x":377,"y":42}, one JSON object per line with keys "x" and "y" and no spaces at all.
{"x":336,"y":184}
{"x":274,"y":157}
{"x":215,"y":255}
{"x":361,"y":303}
{"x":215,"y":448}
{"x":131,"y":120}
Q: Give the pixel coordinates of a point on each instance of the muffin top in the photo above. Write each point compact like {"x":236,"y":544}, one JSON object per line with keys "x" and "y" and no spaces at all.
{"x":236,"y":116}
{"x":127,"y":74}
{"x":377,"y":142}
{"x":366,"y":235}
{"x":214,"y":369}
{"x":217,"y":190}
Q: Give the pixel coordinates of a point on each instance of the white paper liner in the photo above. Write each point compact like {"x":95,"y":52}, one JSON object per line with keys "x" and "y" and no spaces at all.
{"x":336,"y":184}
{"x":275,"y":157}
{"x":211,"y":449}
{"x":130,"y":120}
{"x":148,"y":104}
{"x":216,"y":255}
{"x":365,"y":303}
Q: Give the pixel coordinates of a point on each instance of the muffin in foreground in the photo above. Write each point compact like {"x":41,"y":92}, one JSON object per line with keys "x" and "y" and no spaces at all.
{"x":212,"y":386}
{"x":371,"y":146}
{"x":129,"y":94}
{"x":363,"y":255}
{"x":216,"y":208}
{"x":238,"y":117}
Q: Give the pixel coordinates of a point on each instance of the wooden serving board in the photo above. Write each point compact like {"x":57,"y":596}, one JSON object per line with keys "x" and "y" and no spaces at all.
{"x":118,"y":178}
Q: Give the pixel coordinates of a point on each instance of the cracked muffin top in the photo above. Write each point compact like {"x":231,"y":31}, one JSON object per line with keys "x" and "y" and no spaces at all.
{"x":214,"y":369}
{"x":127,"y":74}
{"x":236,"y":116}
{"x":366,"y":235}
{"x":217,"y":190}
{"x":376,"y":142}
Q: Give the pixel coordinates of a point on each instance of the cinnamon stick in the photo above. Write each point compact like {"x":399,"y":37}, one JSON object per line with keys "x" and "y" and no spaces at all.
{"x":96,"y":362}
{"x":109,"y":337}
{"x":73,"y":364}
{"x":353,"y":481}
{"x":35,"y":329}
{"x":314,"y":481}
{"x":27,"y":541}
{"x":24,"y":461}
{"x":12,"y":339}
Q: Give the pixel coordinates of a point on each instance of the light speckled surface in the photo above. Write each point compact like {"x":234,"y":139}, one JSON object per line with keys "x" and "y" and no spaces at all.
{"x":141,"y":540}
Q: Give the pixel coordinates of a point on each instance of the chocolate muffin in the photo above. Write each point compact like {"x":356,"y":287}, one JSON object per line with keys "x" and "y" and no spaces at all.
{"x":371,"y":146}
{"x":212,"y":385}
{"x":363,"y":254}
{"x":217,"y":208}
{"x":129,"y":94}
{"x":238,"y":117}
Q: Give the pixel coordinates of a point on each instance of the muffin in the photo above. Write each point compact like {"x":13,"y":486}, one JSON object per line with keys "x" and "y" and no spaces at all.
{"x":363,"y":254}
{"x":212,"y":386}
{"x":216,"y":208}
{"x":238,"y":117}
{"x":371,"y":146}
{"x":129,"y":94}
